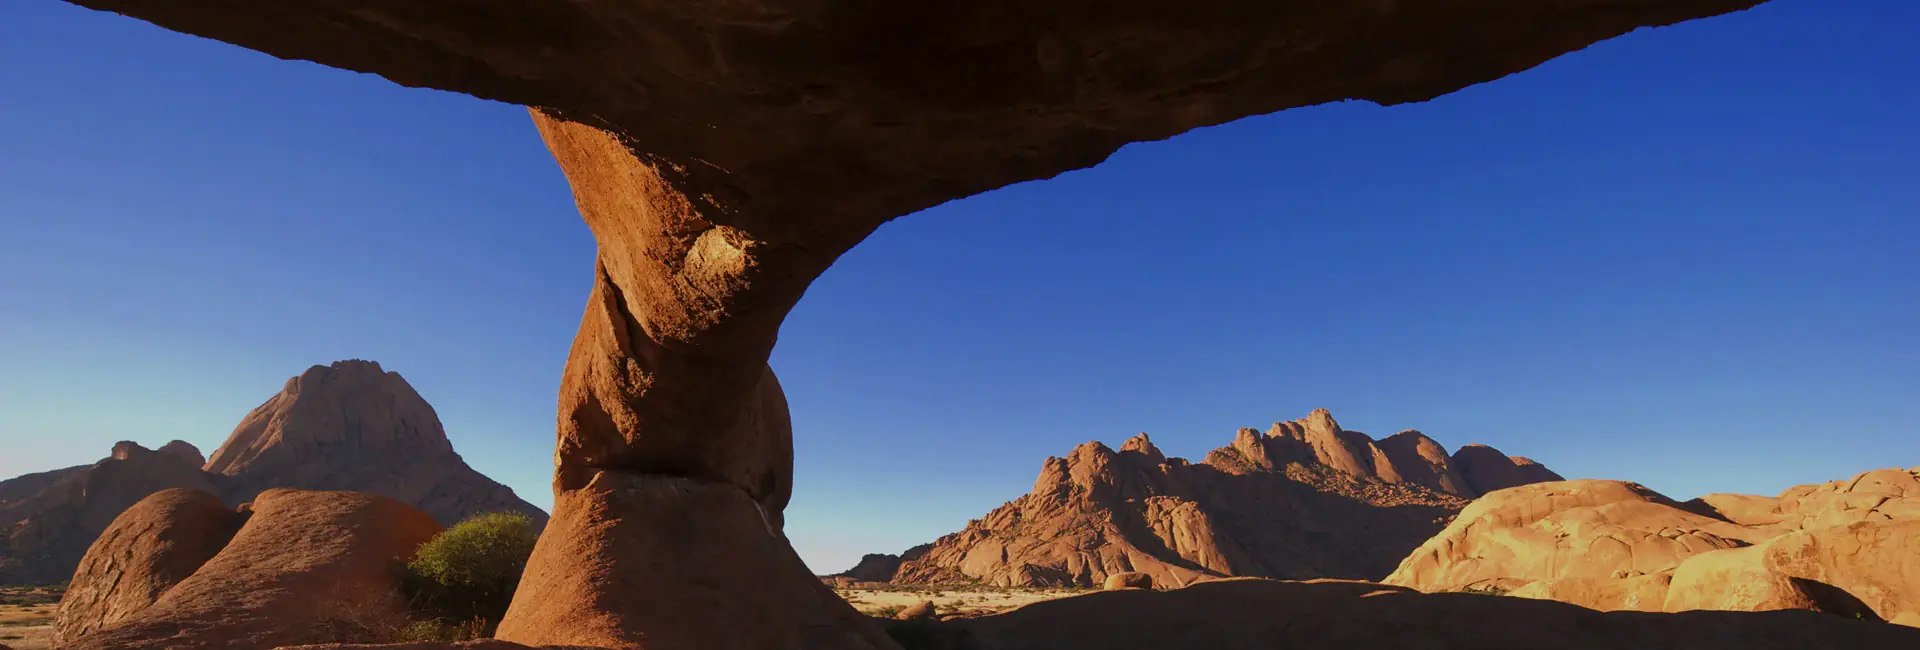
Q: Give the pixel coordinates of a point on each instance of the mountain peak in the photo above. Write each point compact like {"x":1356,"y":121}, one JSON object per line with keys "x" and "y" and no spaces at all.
{"x":353,"y":425}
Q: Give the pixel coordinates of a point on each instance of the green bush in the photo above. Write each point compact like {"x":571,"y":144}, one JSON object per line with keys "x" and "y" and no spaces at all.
{"x":469,"y":572}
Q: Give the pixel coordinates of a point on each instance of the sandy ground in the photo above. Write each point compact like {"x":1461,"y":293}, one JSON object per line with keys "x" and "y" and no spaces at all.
{"x":26,"y":627}
{"x":884,"y":602}
{"x":26,"y":617}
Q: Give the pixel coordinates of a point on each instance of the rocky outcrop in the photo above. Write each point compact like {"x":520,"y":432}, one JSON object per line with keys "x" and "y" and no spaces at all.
{"x":597,"y":577}
{"x":1406,"y":457}
{"x":47,"y":533}
{"x":353,"y":426}
{"x":1568,"y":529}
{"x":306,"y":567}
{"x":1308,"y":499}
{"x":880,"y":567}
{"x":725,"y":154}
{"x":1485,"y":469}
{"x":148,"y":549}
{"x":1843,"y":547}
{"x":1253,"y":614}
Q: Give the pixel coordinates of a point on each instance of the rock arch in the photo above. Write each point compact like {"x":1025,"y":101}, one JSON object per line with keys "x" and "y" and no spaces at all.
{"x":725,"y":153}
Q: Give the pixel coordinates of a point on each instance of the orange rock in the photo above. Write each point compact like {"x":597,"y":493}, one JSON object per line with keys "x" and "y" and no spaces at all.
{"x":307,"y":567}
{"x":1128,"y":580}
{"x":1568,"y":529}
{"x":1876,"y":563}
{"x":1842,"y":547}
{"x":1643,"y":593}
{"x":920,"y":611}
{"x":661,"y":563}
{"x":147,"y":550}
{"x":1273,"y":505}
{"x":1486,"y":469}
{"x":1734,"y":580}
{"x":354,"y":426}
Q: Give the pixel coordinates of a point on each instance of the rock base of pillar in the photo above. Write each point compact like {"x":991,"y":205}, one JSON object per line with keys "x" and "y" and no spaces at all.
{"x":668,"y":563}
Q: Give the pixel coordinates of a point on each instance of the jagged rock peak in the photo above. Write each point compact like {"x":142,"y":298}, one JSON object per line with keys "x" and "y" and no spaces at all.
{"x":1322,"y":420}
{"x":1143,"y":445}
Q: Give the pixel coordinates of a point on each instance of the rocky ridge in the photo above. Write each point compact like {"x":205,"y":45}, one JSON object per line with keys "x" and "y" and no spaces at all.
{"x":1307,"y":499}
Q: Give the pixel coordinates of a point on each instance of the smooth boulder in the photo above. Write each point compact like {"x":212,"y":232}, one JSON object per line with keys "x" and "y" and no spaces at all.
{"x":148,"y":549}
{"x":306,"y":567}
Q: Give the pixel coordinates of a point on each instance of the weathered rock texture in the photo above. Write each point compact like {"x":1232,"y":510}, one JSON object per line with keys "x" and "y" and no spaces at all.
{"x":658,"y":562}
{"x":306,"y":567}
{"x":1253,"y":614}
{"x":352,"y":426}
{"x":349,"y":426}
{"x":725,"y":154}
{"x":1307,"y":499}
{"x":146,"y":551}
{"x":47,"y":533}
{"x":1848,"y":547}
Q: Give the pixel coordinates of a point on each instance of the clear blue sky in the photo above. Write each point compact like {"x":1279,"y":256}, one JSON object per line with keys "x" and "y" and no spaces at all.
{"x":1688,"y":257}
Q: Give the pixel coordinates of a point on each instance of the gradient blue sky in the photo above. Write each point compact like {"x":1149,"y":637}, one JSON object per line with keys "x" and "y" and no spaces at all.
{"x":1688,"y":257}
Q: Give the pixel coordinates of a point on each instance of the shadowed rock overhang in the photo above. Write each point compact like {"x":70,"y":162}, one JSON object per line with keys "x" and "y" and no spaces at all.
{"x":810,"y":117}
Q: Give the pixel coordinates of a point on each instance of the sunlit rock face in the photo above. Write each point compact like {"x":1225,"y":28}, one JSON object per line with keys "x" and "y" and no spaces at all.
{"x":353,"y":425}
{"x":1306,"y":499}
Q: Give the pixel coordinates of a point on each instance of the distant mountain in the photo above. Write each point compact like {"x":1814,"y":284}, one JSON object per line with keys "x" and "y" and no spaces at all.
{"x":48,"y":531}
{"x":1307,"y":499}
{"x":349,"y":426}
{"x":352,"y":426}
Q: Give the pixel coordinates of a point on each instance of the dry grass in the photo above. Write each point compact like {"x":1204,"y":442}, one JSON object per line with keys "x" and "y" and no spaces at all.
{"x":26,"y":616}
{"x":885,"y":601}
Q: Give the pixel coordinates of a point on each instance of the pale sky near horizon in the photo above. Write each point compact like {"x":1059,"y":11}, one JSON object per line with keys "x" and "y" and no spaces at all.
{"x":1686,"y":257}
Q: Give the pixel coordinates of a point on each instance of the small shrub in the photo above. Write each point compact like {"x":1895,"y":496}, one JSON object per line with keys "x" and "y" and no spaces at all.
{"x":445,"y":632}
{"x":887,"y":612}
{"x":464,"y":578}
{"x":1485,"y":589}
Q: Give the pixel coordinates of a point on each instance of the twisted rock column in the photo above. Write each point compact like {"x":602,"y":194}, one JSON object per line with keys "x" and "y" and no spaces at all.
{"x":675,"y":453}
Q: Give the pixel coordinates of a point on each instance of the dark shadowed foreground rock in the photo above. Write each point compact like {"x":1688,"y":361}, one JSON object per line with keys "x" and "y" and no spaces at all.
{"x":307,"y":567}
{"x":1255,"y":614}
{"x":486,"y":644}
{"x":674,"y":564}
{"x":146,"y":551}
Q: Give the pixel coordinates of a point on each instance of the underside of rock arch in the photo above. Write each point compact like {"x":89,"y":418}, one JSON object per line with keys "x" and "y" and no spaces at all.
{"x":725,"y":152}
